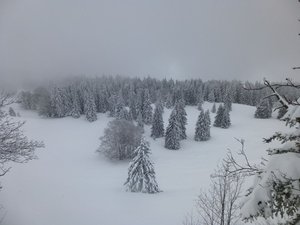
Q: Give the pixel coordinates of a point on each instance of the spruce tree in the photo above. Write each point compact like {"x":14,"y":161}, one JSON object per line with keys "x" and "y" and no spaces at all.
{"x":75,"y":111}
{"x":141,"y":174}
{"x":147,"y":108}
{"x":123,"y":114}
{"x":140,"y":122}
{"x":200,"y":102}
{"x":219,"y":116}
{"x":202,"y":132}
{"x":214,"y":109}
{"x":263,"y":110}
{"x":207,"y":115}
{"x":182,"y":118}
{"x":228,"y":100}
{"x":173,"y":132}
{"x":90,"y":107}
{"x":57,"y":102}
{"x":157,"y":129}
{"x":225,"y":123}
{"x":119,"y":107}
{"x":211,"y":96}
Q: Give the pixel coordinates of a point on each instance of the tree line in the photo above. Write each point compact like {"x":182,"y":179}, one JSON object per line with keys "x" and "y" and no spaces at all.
{"x":130,"y":97}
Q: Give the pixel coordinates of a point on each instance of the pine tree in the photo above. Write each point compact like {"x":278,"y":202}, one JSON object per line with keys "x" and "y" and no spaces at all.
{"x":140,"y":122}
{"x":202,"y":132}
{"x":141,"y":174}
{"x":207,"y":115}
{"x":90,"y":107}
{"x":119,"y":108}
{"x":225,"y":123}
{"x":228,"y":100}
{"x":123,"y":114}
{"x":211,"y":96}
{"x":219,"y":116}
{"x":169,"y":101}
{"x":200,"y":102}
{"x":182,"y":118}
{"x":57,"y":102}
{"x":263,"y":110}
{"x":173,"y":132}
{"x":147,"y":108}
{"x":213,"y":109}
{"x":133,"y":106}
{"x":75,"y":111}
{"x":157,"y":129}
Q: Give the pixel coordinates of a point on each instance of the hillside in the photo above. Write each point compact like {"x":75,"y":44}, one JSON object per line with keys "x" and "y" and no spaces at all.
{"x":70,"y":184}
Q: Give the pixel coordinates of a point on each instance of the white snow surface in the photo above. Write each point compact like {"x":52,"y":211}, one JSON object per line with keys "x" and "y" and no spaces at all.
{"x":71,"y":184}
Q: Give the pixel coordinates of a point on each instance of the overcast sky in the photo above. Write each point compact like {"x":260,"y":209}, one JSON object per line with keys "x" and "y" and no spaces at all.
{"x":208,"y":39}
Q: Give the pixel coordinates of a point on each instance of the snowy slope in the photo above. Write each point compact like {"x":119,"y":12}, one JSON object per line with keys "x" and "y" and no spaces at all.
{"x":70,"y":184}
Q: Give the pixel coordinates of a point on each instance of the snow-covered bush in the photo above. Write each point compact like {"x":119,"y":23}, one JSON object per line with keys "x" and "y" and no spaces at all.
{"x":141,"y":174}
{"x":120,"y":139}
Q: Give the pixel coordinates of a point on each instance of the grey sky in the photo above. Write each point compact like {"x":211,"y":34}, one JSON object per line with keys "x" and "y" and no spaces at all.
{"x":208,"y":39}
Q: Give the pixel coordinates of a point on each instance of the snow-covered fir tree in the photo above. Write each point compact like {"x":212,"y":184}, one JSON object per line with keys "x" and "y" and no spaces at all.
{"x":182,"y":118}
{"x":75,"y":111}
{"x":228,"y":100}
{"x":207,"y":115}
{"x":226,"y":122}
{"x":222,"y":118}
{"x":147,"y":108}
{"x":173,"y":132}
{"x":133,"y":111}
{"x":119,"y":107}
{"x":123,"y":114}
{"x":112,"y":104}
{"x":211,"y":96}
{"x":58,"y":103}
{"x":102,"y":101}
{"x":160,"y":105}
{"x":141,"y":174}
{"x":214,"y":108}
{"x":219,"y":116}
{"x":140,"y":122}
{"x":157,"y":129}
{"x":202,"y":132}
{"x":169,"y":101}
{"x":90,"y":107}
{"x":263,"y":110}
{"x":200,"y":102}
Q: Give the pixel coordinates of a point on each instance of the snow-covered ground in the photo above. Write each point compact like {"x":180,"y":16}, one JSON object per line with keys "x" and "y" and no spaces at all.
{"x":71,"y":184}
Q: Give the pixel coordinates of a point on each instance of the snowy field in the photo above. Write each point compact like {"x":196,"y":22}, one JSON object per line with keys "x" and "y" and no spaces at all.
{"x":71,"y":184}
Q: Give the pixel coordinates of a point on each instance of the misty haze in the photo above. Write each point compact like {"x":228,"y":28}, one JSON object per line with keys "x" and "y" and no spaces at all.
{"x":149,"y":112}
